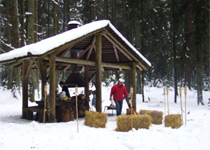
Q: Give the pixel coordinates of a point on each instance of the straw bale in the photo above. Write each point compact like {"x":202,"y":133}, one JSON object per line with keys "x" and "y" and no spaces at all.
{"x":141,"y":121}
{"x":123,"y":123}
{"x":157,"y":116}
{"x":127,"y":122}
{"x":143,"y":112}
{"x":95,"y":119}
{"x":173,"y":121}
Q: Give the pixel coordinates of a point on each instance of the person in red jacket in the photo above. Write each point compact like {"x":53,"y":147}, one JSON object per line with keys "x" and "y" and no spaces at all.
{"x":118,"y":92}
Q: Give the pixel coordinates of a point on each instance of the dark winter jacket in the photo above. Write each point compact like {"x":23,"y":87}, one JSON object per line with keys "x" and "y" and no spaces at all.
{"x":65,"y":89}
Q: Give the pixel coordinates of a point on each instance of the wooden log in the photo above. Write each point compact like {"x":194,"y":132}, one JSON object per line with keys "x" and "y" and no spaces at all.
{"x":133,"y":83}
{"x":92,"y":63}
{"x":25,"y":88}
{"x":29,"y":68}
{"x":43,"y":73}
{"x":52,"y":108}
{"x":98,"y":72}
{"x":71,"y":114}
{"x":87,"y":86}
{"x":65,"y":115}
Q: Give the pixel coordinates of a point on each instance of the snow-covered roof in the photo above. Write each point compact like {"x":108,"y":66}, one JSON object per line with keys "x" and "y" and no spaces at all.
{"x":43,"y":46}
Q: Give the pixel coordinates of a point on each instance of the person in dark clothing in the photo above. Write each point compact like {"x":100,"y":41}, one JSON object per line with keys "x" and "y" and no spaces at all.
{"x":64,"y":88}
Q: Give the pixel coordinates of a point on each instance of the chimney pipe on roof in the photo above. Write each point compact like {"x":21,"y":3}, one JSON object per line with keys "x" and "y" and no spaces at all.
{"x":73,"y":24}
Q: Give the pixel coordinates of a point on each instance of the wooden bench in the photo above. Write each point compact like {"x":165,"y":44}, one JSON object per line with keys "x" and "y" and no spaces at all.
{"x":29,"y":112}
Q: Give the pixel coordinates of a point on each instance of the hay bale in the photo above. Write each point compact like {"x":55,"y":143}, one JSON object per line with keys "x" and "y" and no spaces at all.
{"x":143,"y":112}
{"x":123,"y":123}
{"x":157,"y":116}
{"x":173,"y":121}
{"x":141,"y":121}
{"x":127,"y":122}
{"x":95,"y":119}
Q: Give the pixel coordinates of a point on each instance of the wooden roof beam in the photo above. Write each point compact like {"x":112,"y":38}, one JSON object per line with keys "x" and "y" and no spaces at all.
{"x":116,"y":54}
{"x":29,"y":68}
{"x":92,"y":63}
{"x":122,"y":49}
{"x":118,"y":47}
{"x":89,"y":52}
{"x":90,"y":47}
{"x":67,"y":50}
{"x":66,"y":68}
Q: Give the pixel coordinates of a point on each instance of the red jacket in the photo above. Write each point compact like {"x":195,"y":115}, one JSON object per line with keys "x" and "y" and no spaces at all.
{"x":118,"y":92}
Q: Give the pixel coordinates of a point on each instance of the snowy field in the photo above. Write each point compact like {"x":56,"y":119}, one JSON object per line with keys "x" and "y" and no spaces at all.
{"x":20,"y":134}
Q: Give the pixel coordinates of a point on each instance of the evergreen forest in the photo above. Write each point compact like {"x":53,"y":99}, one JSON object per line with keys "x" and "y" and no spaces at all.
{"x":172,"y":34}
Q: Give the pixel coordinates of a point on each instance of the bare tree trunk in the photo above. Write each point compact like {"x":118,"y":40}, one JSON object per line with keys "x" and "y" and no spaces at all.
{"x":8,"y":28}
{"x":67,"y":12}
{"x":30,"y":22}
{"x":105,"y":9}
{"x":114,"y":14}
{"x":92,"y":10}
{"x":15,"y":23}
{"x":138,"y":45}
{"x":143,"y":99}
{"x":22,"y":17}
{"x":10,"y":79}
{"x":36,"y":38}
{"x":189,"y":42}
{"x":174,"y":50}
{"x":64,"y":15}
{"x":15,"y":37}
{"x":8,"y":35}
{"x":139,"y":83}
{"x":199,"y":51}
{"x":142,"y":45}
{"x":30,"y":39}
{"x":55,"y":19}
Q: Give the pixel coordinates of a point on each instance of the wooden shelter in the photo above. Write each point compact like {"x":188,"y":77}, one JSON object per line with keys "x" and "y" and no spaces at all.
{"x":94,"y":46}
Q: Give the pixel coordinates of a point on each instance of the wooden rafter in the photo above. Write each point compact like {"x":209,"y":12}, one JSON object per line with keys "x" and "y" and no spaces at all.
{"x":116,"y":54}
{"x":92,"y":76}
{"x":89,"y":53}
{"x":29,"y":68}
{"x":92,"y":63}
{"x":122,"y":49}
{"x":66,"y":68}
{"x":86,"y":49}
{"x":90,"y":47}
{"x":119,"y":48}
{"x":66,"y":45}
{"x":67,"y":50}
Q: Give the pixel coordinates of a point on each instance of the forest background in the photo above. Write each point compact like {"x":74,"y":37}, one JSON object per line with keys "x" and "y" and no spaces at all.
{"x":172,"y":34}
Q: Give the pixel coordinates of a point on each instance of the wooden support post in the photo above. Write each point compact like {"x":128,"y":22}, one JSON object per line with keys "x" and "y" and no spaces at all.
{"x":185,"y":93}
{"x":25,"y":88}
{"x":167,"y":92}
{"x":98,"y":72}
{"x":52,"y":114}
{"x":133,"y":83}
{"x":87,"y":86}
{"x":116,"y":74}
{"x":164,"y":93}
{"x":45,"y":103}
{"x":76,"y":91}
{"x":43,"y":72}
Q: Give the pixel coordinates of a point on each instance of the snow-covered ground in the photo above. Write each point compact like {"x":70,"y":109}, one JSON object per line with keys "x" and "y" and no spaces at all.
{"x":20,"y":134}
